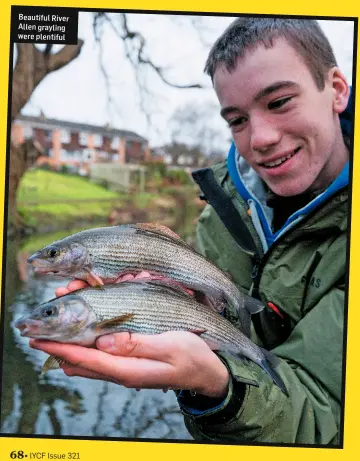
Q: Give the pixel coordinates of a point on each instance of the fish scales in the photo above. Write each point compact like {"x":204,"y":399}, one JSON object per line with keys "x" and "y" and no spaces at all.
{"x":155,"y":256}
{"x":146,"y":251}
{"x":141,"y":307}
{"x":102,"y":255}
{"x":151,"y":312}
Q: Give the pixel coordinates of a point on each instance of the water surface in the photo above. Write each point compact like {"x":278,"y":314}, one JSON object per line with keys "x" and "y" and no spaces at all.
{"x":68,"y":406}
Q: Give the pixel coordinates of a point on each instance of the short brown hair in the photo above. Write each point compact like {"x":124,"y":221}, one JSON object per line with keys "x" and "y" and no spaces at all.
{"x":304,"y":35}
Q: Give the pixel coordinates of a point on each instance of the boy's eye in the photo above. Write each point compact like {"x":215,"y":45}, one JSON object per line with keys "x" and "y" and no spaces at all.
{"x":279,"y":103}
{"x":236,"y":121}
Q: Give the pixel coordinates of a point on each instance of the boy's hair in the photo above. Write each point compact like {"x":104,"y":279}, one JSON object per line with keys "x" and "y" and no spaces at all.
{"x":304,"y":35}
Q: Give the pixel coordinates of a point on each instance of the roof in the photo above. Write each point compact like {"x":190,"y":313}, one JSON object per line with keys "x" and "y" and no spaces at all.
{"x":52,"y":123}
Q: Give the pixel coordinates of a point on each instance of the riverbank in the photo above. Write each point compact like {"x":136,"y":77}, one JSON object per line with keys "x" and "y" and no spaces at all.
{"x":50,"y":202}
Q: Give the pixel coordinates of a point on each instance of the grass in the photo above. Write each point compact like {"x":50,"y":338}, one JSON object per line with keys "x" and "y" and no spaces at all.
{"x":50,"y":201}
{"x":39,"y":185}
{"x":39,"y":241}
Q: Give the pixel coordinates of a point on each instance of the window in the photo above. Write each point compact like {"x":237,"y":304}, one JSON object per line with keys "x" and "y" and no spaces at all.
{"x":48,"y":135}
{"x":64,"y":155}
{"x":65,"y":137}
{"x":115,"y":143}
{"x":97,"y":140}
{"x":88,"y":155}
{"x":83,"y":139}
{"x":74,"y":155}
{"x":103,"y":155}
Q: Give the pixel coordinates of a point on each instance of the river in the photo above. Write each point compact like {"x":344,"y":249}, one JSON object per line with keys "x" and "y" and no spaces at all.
{"x":59,"y":405}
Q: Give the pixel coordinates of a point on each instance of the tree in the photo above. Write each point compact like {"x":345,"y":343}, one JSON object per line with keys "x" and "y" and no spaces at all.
{"x":32,"y":66}
{"x":34,"y":63}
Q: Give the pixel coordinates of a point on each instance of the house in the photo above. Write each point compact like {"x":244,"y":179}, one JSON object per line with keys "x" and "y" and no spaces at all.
{"x":179,"y":156}
{"x":79,"y":145}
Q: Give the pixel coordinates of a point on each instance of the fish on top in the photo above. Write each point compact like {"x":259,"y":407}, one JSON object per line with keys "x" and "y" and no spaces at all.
{"x":150,"y":307}
{"x":102,"y":255}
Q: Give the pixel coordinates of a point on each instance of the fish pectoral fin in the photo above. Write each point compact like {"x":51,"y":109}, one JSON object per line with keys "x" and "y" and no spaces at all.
{"x":111,"y":323}
{"x":51,"y":363}
{"x":93,"y":279}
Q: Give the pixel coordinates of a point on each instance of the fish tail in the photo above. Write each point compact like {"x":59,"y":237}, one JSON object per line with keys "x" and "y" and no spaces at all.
{"x":267,"y":361}
{"x":246,"y":306}
{"x":268,"y":364}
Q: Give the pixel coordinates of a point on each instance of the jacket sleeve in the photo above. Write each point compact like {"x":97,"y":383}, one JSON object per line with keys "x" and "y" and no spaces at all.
{"x":311,"y":367}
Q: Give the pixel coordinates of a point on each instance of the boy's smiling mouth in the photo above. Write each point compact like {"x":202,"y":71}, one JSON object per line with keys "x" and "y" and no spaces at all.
{"x":280,"y":160}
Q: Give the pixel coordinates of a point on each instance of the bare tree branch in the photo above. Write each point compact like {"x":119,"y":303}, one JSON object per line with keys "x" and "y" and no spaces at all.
{"x":135,"y":43}
{"x":32,"y":66}
{"x":97,"y":29}
{"x":64,"y":56}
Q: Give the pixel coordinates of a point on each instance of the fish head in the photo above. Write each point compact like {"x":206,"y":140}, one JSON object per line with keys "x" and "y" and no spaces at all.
{"x":62,"y":319}
{"x":63,"y":258}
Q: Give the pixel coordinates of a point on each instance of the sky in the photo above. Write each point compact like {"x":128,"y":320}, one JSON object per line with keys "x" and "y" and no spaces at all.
{"x":78,"y":91}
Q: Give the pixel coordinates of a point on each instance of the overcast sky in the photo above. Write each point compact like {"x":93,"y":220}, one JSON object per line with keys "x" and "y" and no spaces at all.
{"x":78,"y":92}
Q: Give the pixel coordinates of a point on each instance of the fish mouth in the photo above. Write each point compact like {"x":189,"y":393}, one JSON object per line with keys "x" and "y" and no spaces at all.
{"x":44,"y":270}
{"x":40,"y":266}
{"x":28,"y":327}
{"x":34,"y":258}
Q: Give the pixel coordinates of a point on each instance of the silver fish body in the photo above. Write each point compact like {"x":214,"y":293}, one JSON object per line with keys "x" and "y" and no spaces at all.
{"x":101,"y":255}
{"x":139,"y":307}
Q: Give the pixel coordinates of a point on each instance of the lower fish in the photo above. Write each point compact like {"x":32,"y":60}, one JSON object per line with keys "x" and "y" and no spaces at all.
{"x":150,"y":307}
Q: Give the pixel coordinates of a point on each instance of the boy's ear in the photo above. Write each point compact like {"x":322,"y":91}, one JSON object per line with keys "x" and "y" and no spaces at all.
{"x":341,"y":90}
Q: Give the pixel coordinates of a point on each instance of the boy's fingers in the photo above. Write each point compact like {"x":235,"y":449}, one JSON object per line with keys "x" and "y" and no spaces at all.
{"x":128,"y":371}
{"x":71,"y":370}
{"x":61,"y":291}
{"x":125,"y":278}
{"x":77,"y":285}
{"x":73,"y":285}
{"x":143,"y":275}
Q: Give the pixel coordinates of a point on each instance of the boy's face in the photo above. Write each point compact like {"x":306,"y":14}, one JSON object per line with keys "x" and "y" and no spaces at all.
{"x":282,"y":124}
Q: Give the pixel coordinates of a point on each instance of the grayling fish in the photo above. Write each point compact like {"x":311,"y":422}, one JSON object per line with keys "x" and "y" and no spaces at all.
{"x":139,"y":307}
{"x":101,"y":255}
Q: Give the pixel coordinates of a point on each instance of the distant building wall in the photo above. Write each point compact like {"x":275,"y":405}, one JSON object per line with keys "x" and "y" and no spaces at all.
{"x":73,"y":146}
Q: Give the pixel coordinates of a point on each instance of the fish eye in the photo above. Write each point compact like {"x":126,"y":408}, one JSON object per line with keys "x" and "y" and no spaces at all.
{"x":52,"y":252}
{"x":49,"y":311}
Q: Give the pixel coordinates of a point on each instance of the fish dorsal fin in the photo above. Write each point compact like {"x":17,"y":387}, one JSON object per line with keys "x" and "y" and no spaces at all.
{"x":112,"y":323}
{"x":162,"y":231}
{"x":158,"y":228}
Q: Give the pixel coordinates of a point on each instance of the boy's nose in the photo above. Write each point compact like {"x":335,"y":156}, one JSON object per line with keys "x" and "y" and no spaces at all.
{"x":263,"y":135}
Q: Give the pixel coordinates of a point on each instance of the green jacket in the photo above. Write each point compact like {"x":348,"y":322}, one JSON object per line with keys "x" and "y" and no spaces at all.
{"x":303,"y":274}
